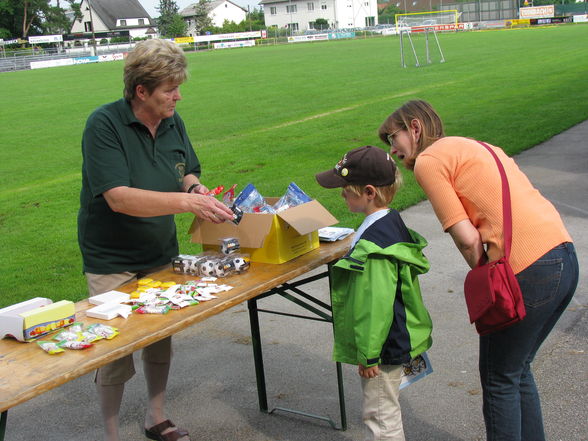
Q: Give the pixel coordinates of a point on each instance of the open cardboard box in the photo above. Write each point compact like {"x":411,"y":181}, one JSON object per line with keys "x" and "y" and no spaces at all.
{"x":269,"y":238}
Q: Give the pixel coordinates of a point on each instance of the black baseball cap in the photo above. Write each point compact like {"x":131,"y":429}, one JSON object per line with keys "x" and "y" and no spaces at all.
{"x":367,"y":165}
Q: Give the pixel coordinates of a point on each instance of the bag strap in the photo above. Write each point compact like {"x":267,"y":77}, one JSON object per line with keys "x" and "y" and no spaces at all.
{"x":506,"y":207}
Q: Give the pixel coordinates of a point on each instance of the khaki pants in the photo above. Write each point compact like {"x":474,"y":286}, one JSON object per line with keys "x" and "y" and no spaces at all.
{"x":381,"y":409}
{"x":123,"y":369}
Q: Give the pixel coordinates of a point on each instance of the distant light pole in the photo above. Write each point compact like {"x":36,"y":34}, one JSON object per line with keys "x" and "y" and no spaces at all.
{"x":290,"y":8}
{"x":92,"y":29}
{"x":249,"y":15}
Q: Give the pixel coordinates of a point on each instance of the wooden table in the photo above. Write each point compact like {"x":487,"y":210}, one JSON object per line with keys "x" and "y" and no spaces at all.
{"x":26,"y":371}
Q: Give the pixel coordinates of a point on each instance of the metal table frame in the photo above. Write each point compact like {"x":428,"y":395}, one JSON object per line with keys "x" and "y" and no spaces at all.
{"x":321,"y":312}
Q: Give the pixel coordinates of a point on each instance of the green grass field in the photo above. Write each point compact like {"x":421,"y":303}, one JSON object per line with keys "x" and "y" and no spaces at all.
{"x":271,"y":115}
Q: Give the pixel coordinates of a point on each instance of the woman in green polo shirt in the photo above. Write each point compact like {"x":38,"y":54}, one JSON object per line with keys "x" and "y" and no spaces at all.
{"x":139,"y":169}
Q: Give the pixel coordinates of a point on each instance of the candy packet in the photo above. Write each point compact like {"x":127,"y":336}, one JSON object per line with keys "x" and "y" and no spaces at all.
{"x":153,"y":309}
{"x":229,"y":196}
{"x":76,"y":344}
{"x":76,"y":327}
{"x":104,"y":331}
{"x":215,"y":191}
{"x":50,"y":347}
{"x":67,"y":335}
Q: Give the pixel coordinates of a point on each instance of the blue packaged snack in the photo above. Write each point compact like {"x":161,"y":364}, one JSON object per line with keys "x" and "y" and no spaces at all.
{"x":251,"y":201}
{"x":294,"y":196}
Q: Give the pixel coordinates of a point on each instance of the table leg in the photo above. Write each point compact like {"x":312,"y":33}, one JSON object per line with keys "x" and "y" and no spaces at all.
{"x":3,"y":419}
{"x":341,"y":396}
{"x":257,"y":355}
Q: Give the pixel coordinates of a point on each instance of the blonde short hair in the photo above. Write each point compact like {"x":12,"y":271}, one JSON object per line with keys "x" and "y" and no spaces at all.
{"x":401,"y":118}
{"x":151,"y":63}
{"x":384,"y":194}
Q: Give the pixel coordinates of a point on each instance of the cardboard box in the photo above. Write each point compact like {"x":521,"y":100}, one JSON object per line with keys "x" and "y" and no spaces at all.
{"x":269,"y":238}
{"x":34,"y":318}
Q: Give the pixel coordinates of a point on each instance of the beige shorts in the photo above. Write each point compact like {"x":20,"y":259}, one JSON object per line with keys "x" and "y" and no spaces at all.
{"x":123,"y":369}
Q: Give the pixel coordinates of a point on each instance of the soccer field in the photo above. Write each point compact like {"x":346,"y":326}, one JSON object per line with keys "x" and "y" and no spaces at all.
{"x":269,"y":116}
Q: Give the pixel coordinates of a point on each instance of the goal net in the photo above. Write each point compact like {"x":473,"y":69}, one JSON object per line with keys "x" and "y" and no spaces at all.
{"x":420,"y":21}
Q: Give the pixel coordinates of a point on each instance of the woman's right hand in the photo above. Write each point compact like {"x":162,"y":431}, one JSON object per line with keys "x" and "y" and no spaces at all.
{"x":209,"y":208}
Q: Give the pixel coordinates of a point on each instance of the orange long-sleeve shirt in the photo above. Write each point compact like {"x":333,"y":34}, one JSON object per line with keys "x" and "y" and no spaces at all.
{"x":462,"y":181}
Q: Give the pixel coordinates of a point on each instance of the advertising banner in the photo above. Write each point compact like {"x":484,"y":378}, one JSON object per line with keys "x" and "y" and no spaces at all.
{"x":52,"y":63}
{"x":45,"y":39}
{"x":84,"y":60}
{"x":233,"y":36}
{"x":546,"y":11}
{"x":230,"y":44}
{"x":304,"y":38}
{"x":180,"y":40}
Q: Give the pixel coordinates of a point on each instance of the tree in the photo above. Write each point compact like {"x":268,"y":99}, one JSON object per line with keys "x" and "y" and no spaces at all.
{"x":203,"y":21}
{"x":321,"y":23}
{"x":388,"y":14}
{"x":21,"y":18}
{"x":170,"y":22}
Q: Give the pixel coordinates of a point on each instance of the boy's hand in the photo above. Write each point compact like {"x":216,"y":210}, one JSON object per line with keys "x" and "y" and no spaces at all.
{"x":368,"y":372}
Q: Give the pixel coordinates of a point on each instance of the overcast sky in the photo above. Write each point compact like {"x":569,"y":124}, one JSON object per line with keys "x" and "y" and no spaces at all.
{"x":150,"y":5}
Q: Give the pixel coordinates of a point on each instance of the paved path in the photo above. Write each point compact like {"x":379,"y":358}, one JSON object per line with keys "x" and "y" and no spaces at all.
{"x":212,"y":388}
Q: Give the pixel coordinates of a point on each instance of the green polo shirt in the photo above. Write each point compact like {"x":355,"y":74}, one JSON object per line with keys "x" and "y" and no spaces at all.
{"x":118,"y":150}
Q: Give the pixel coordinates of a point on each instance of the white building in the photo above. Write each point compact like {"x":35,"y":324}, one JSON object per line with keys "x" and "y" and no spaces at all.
{"x":218,"y":11}
{"x":112,"y":16}
{"x":300,"y":15}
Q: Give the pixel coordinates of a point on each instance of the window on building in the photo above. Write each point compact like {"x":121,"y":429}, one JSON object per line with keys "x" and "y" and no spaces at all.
{"x":293,"y":26}
{"x":87,"y":26}
{"x":123,"y":23}
{"x":273,"y":10}
{"x":310,"y":6}
{"x":311,"y":25}
{"x":290,"y":9}
{"x":323,"y":7}
{"x":370,"y":21}
{"x":141,"y":21}
{"x":367,"y":3}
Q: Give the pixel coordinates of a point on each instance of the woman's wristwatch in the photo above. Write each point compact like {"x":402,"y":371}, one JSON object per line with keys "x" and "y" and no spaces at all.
{"x":192,"y":187}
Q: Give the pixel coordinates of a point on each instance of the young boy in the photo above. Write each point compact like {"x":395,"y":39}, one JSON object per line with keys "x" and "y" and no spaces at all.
{"x":380,"y":321}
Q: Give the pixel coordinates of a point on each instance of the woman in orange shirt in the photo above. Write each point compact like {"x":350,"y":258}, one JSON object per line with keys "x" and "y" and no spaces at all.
{"x":462,"y":182}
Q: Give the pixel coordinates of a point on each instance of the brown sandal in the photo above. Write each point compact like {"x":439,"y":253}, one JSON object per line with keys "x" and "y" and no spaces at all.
{"x":156,"y":434}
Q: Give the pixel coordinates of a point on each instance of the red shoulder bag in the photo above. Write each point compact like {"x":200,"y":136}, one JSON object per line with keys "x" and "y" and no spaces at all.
{"x":492,"y":293}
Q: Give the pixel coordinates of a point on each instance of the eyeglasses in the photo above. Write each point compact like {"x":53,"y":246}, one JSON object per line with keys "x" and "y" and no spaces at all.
{"x":390,"y":137}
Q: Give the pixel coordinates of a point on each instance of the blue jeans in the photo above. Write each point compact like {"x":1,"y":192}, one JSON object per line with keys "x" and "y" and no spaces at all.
{"x":512,"y":409}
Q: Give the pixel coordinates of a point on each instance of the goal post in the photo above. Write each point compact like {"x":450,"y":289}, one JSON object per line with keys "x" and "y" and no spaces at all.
{"x":420,"y":21}
{"x":426,"y":24}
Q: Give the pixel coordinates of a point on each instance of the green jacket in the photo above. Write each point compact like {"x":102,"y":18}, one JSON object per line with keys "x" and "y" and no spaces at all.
{"x":378,"y":313}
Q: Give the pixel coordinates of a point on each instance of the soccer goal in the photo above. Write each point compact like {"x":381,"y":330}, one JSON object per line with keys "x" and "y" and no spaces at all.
{"x":420,"y":21}
{"x":425,"y":24}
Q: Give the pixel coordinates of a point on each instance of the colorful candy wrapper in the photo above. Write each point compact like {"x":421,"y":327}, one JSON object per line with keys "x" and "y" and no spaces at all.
{"x":76,"y":344}
{"x":153,"y":309}
{"x":50,"y":347}
{"x":90,"y":336}
{"x":229,"y":196}
{"x":67,"y":335}
{"x":76,"y":327}
{"x":215,"y":191}
{"x":104,"y":331}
